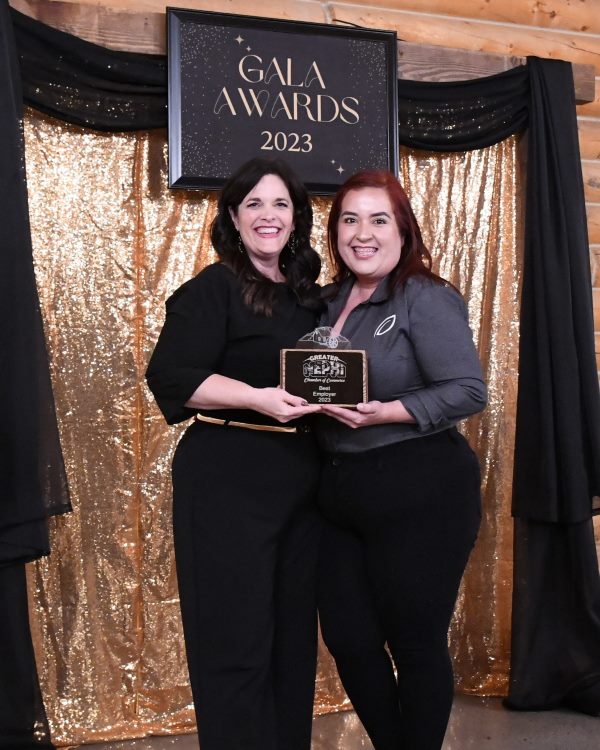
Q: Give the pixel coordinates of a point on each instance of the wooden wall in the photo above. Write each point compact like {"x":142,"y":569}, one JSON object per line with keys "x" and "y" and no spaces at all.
{"x":565,"y":29}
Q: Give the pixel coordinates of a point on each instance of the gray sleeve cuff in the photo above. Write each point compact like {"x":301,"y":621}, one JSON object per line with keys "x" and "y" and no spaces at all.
{"x":444,"y":404}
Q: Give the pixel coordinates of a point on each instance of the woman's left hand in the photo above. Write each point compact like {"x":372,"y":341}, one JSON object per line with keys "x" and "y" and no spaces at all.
{"x":373,"y":412}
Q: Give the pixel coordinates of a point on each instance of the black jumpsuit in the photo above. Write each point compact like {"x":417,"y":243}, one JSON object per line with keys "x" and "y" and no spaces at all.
{"x":246,"y":531}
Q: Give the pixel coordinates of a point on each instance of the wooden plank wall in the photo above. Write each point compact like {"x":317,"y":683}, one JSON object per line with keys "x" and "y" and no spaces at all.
{"x":565,"y":29}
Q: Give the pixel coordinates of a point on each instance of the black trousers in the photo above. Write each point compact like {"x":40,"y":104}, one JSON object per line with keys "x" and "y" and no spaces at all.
{"x":401,"y":522}
{"x":246,"y":544}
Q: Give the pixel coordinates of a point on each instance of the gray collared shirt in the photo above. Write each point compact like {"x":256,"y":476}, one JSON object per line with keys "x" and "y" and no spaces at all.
{"x":420,"y":351}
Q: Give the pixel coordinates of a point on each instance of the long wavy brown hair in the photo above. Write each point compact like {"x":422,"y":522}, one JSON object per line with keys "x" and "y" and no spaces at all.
{"x":300,"y":266}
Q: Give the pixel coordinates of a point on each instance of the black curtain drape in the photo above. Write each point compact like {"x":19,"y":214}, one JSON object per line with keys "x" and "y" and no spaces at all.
{"x":556,"y":613}
{"x":463,"y":115}
{"x":556,"y":596}
{"x":32,"y":473}
{"x":86,"y":84}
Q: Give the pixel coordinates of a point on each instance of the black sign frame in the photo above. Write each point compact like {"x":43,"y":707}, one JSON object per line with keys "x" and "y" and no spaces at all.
{"x":196,"y":161}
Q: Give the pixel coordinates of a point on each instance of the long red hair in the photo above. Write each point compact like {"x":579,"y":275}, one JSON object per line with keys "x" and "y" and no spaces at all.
{"x":415,"y":258}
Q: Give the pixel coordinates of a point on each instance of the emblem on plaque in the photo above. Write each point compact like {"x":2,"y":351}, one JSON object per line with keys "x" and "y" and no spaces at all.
{"x":324,"y":369}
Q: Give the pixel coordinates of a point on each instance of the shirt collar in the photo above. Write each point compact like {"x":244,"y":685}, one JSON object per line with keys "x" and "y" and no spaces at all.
{"x":381,"y":293}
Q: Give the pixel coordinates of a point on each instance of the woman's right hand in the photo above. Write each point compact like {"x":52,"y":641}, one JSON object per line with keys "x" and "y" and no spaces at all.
{"x":220,"y":392}
{"x":280,"y":405}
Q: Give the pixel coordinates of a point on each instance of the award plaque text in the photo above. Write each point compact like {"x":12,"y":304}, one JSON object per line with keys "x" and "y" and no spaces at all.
{"x":325,"y":376}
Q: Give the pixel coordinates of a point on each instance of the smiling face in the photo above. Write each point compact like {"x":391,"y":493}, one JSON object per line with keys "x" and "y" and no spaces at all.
{"x":368,"y":238}
{"x":265,"y":220}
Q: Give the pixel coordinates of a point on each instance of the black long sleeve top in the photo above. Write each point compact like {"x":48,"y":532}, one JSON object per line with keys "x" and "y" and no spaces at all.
{"x":208,"y":329}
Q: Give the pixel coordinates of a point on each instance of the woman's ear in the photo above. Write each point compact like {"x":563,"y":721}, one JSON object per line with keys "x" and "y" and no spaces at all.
{"x":233,"y":218}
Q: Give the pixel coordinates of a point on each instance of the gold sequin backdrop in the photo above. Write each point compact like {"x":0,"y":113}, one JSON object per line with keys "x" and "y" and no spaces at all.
{"x":110,"y":244}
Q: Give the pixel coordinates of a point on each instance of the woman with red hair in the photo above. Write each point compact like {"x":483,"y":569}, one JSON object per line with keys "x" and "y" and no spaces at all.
{"x":400,"y":487}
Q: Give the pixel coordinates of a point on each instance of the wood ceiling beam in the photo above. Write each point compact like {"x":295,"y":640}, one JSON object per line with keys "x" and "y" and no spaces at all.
{"x":422,"y":62}
{"x":145,"y":32}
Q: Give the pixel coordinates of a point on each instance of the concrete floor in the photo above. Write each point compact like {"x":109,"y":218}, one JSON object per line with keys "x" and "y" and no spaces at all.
{"x":475,"y":724}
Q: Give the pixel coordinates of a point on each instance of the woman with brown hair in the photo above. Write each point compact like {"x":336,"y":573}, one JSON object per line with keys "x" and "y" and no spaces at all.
{"x":245,"y":472}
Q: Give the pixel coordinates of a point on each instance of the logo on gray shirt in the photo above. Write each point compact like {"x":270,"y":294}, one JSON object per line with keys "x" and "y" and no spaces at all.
{"x":386,"y":325}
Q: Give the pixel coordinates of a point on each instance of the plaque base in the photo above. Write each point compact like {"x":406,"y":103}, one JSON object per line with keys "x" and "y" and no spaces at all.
{"x":325,"y":376}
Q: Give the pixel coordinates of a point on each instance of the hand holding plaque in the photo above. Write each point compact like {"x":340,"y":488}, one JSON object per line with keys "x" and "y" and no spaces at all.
{"x":323,"y":369}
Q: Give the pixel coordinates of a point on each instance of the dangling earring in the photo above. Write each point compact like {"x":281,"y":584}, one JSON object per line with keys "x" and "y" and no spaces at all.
{"x":293,"y":244}
{"x":240,"y":244}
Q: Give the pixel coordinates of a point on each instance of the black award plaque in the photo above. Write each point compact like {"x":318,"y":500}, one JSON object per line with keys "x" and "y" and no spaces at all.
{"x":322,"y":373}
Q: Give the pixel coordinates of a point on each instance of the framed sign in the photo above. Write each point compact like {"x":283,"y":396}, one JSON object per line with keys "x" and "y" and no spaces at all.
{"x":324,"y":98}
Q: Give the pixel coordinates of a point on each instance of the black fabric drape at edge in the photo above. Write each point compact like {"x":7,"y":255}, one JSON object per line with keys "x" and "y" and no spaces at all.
{"x":556,"y":593}
{"x":32,"y":474}
{"x":556,"y":614}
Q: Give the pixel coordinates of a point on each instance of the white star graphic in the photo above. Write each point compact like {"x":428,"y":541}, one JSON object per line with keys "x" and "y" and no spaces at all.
{"x":239,"y":39}
{"x":340,"y":169}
